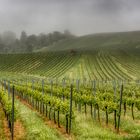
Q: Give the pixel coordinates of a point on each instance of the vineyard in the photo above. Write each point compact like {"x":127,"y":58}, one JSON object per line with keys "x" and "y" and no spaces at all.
{"x":113,"y":104}
{"x":72,"y":92}
{"x":79,"y":65}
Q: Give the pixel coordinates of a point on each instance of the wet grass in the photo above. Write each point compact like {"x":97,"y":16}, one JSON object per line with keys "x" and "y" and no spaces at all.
{"x":35,"y":126}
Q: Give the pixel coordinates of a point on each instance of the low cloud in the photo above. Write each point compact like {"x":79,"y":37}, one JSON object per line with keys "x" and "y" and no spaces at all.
{"x":79,"y":16}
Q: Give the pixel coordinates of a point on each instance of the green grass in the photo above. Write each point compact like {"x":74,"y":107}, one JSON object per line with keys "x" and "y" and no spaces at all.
{"x":131,"y":126}
{"x":86,"y":128}
{"x":35,"y":125}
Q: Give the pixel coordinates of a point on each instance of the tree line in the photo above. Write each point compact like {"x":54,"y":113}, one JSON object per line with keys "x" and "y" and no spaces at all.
{"x":9,"y":43}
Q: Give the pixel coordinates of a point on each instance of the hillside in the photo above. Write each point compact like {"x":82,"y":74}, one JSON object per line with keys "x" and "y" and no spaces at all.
{"x":111,"y":41}
{"x":100,"y":56}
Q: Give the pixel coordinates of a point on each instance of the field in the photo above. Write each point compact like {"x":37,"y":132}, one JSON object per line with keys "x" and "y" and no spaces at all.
{"x":101,"y":104}
{"x":97,"y":65}
{"x":102,"y":56}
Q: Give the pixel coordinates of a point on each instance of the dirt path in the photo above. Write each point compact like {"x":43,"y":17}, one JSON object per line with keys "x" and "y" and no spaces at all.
{"x":5,"y":134}
{"x":2,"y":125}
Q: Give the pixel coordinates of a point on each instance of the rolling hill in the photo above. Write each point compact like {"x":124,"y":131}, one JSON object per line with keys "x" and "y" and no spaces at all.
{"x":103,"y":56}
{"x":106,"y":41}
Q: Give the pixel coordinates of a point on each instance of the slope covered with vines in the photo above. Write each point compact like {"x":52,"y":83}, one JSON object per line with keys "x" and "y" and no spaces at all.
{"x":99,"y":65}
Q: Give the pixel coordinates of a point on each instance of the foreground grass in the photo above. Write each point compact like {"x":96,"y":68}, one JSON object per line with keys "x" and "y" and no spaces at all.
{"x":131,"y":126}
{"x":86,"y":128}
{"x":2,"y":137}
{"x":35,"y":126}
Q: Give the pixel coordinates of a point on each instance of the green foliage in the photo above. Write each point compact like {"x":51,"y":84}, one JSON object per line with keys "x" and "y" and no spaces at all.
{"x":51,"y":101}
{"x":7,"y":105}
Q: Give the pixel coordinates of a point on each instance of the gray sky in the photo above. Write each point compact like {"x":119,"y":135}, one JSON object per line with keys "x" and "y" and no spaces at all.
{"x":79,"y":16}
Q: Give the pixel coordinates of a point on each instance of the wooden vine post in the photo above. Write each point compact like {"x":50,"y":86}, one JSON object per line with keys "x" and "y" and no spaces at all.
{"x":115,"y":112}
{"x":119,"y":116}
{"x":12,"y":130}
{"x":70,"y":121}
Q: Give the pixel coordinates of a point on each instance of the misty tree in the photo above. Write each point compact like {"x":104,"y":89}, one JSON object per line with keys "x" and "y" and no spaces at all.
{"x":42,"y":40}
{"x":31,"y":43}
{"x":29,"y":48}
{"x":22,"y":41}
{"x":9,"y":42}
{"x":1,"y":44}
{"x":57,"y":36}
{"x":8,"y":37}
{"x":23,"y":37}
{"x":68,"y":34}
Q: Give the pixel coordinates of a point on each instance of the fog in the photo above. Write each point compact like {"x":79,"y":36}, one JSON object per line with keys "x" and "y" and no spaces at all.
{"x":79,"y":16}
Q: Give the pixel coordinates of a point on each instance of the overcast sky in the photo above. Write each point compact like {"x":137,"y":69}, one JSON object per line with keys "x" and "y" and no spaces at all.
{"x":79,"y":16}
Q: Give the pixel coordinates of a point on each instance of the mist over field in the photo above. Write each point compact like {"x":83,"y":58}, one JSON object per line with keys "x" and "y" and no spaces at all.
{"x":29,"y":25}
